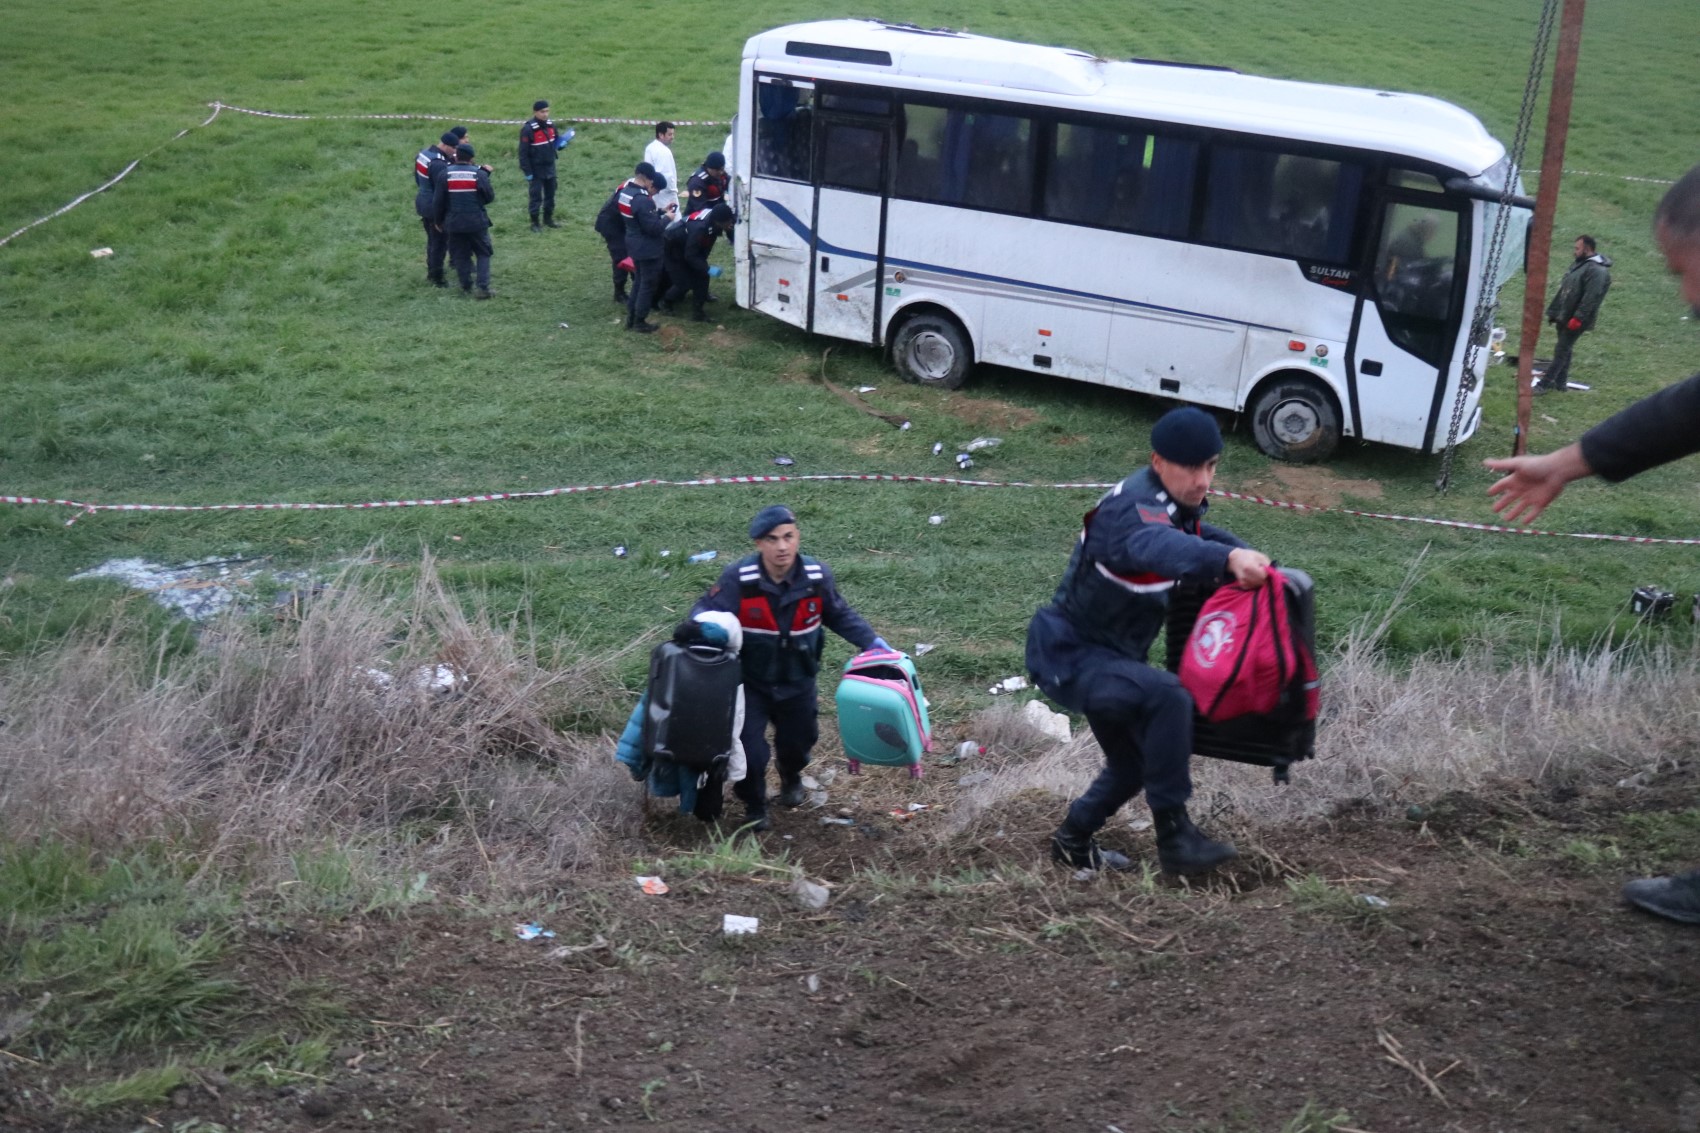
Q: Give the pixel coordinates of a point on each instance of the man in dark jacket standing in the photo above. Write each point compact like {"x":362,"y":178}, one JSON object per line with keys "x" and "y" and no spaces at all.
{"x":1088,"y":649}
{"x":1573,"y":310}
{"x":644,"y":225}
{"x":538,"y":147}
{"x":428,"y":164}
{"x":1653,"y":431}
{"x":462,"y":192}
{"x":687,"y":246}
{"x":611,"y":226}
{"x":785,"y":601}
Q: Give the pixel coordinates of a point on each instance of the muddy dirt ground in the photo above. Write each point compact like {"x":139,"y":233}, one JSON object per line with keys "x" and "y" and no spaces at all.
{"x":969,"y":985}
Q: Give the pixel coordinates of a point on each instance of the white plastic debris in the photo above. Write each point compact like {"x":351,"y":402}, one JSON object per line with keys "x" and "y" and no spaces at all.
{"x":734,"y":925}
{"x":1139,"y":824}
{"x":1373,"y":901}
{"x":653,"y":886}
{"x":809,"y":895}
{"x":964,"y":461}
{"x":810,"y":783}
{"x":968,"y":749}
{"x":620,"y":551}
{"x":811,"y":983}
{"x":817,"y":799}
{"x":532,"y":931}
{"x":830,"y":821}
{"x":938,"y":448}
{"x":1008,"y":684}
{"x":437,"y":679}
{"x":101,"y":253}
{"x":979,"y":443}
{"x":1053,"y":724}
{"x":922,"y":648}
{"x":935,"y":520}
{"x":904,"y":426}
{"x":564,"y":326}
{"x":866,"y":389}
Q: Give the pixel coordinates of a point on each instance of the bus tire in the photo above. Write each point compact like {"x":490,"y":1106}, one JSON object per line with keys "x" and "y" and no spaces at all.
{"x":1295,"y":419}
{"x":932,"y":350}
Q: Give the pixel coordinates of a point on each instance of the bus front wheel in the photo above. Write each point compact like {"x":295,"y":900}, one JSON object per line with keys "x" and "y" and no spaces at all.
{"x":1294,"y":419}
{"x":932,"y":350}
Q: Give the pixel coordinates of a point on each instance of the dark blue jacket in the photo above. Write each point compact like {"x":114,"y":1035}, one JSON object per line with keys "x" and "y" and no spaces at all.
{"x":430,"y":164}
{"x":537,"y":150}
{"x":462,"y":192}
{"x":610,"y":224}
{"x":783,"y":621}
{"x":1135,"y":545}
{"x":705,"y":189}
{"x":691,"y":240}
{"x":644,"y":222}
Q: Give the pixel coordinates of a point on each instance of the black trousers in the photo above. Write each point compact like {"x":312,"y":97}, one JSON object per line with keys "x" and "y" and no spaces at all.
{"x":467,"y":249}
{"x":643,"y":290}
{"x":686,"y":274}
{"x":1558,"y":374}
{"x":542,"y":192}
{"x":436,"y":248}
{"x":1142,"y":719}
{"x":791,"y":709}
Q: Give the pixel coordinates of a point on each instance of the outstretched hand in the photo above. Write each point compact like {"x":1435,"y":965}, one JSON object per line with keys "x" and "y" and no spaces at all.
{"x":1531,"y":483}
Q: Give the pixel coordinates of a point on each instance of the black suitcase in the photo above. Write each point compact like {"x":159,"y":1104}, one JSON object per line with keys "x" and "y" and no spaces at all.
{"x":693,"y":701}
{"x":1266,"y":741}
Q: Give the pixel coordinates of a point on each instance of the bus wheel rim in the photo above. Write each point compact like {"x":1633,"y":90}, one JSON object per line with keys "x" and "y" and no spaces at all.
{"x":931,"y":355}
{"x":1294,"y":422}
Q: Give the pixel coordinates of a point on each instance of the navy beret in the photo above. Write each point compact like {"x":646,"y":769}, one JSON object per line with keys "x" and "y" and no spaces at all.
{"x":1187,"y":435}
{"x":776,"y":515}
{"x":540,"y":104}
{"x":465,"y":152}
{"x":715,"y":160}
{"x":449,"y":139}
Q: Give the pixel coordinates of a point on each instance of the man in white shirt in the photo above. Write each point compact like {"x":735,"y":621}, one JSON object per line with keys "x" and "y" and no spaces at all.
{"x":660,"y":154}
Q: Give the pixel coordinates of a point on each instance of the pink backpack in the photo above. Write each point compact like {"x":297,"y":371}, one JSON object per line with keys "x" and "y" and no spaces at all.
{"x":1246,"y":658}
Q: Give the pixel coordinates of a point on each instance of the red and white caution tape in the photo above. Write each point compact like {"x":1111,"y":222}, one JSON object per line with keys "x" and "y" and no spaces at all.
{"x":1618,"y":177}
{"x":84,"y":508}
{"x":449,"y":118}
{"x":125,"y":172}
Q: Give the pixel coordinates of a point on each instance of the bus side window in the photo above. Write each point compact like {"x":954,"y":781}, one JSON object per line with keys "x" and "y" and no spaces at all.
{"x":851,"y":157}
{"x":919,"y":165}
{"x":1282,"y":204}
{"x":999,"y":162}
{"x":784,"y":123}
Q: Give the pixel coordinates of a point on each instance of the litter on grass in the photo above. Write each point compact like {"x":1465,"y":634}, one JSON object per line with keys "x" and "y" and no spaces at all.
{"x":101,"y":253}
{"x":829,"y":821}
{"x":1052,"y":724}
{"x":654,"y":886}
{"x":979,"y":443}
{"x":935,"y":520}
{"x":922,"y":648}
{"x":620,"y":551}
{"x":734,"y":925}
{"x":784,"y":461}
{"x":938,"y":448}
{"x":196,"y":590}
{"x":1008,"y":684}
{"x":866,"y":389}
{"x":532,"y":931}
{"x":1373,"y":901}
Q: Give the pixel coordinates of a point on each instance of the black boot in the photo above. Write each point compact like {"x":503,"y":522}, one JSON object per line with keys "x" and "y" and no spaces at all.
{"x":1081,"y":851}
{"x":620,"y":296}
{"x":535,"y":227}
{"x":1185,"y":849}
{"x":549,"y":220}
{"x":698,"y":317}
{"x":755,"y":817}
{"x":791,"y":791}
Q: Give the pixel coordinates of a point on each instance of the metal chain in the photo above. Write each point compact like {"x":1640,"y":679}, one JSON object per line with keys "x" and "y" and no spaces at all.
{"x":1485,"y":301}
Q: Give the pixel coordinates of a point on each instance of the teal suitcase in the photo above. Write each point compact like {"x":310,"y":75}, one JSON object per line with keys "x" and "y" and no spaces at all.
{"x":882,"y":714}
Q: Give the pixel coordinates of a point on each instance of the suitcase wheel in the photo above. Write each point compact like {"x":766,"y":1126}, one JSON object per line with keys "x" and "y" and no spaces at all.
{"x":855,"y":766}
{"x":915,"y":771}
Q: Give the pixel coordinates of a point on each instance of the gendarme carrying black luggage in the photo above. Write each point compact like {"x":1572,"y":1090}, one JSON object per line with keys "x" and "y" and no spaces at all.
{"x":1278,"y":740}
{"x":693,"y":703}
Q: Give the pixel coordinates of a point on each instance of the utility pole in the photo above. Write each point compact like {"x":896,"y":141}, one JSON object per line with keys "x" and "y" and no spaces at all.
{"x":1546,"y":207}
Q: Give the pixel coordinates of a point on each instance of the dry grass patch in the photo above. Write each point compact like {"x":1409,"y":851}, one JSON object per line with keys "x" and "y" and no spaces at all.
{"x":398,"y":727}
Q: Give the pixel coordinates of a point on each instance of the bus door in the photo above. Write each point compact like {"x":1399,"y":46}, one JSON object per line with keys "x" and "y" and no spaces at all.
{"x":1406,"y":331}
{"x":852,"y":152}
{"x":781,"y":210}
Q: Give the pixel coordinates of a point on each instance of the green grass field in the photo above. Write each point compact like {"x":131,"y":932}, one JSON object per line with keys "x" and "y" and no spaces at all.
{"x":263,"y":331}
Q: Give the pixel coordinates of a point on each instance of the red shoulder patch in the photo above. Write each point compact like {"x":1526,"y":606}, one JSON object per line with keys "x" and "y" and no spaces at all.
{"x":1155,"y":515}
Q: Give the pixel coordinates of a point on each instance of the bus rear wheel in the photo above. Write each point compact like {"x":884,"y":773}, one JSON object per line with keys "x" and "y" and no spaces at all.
{"x":932,"y":350}
{"x":1294,"y":419}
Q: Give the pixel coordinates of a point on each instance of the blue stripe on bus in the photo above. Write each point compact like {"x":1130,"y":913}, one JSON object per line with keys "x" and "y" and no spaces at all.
{"x":789,"y":219}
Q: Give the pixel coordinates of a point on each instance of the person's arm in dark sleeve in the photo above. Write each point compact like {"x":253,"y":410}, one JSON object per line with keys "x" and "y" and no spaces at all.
{"x":1653,"y":431}
{"x":841,"y":617}
{"x":651,"y":221}
{"x":1132,"y":537}
{"x":439,"y":196}
{"x":723,"y":595}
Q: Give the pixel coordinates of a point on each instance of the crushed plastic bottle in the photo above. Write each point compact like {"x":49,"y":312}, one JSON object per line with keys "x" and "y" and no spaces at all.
{"x":938,"y":448}
{"x":620,"y":551}
{"x":703,"y":557}
{"x":979,"y":443}
{"x":968,"y":748}
{"x":964,"y":461}
{"x":784,"y":461}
